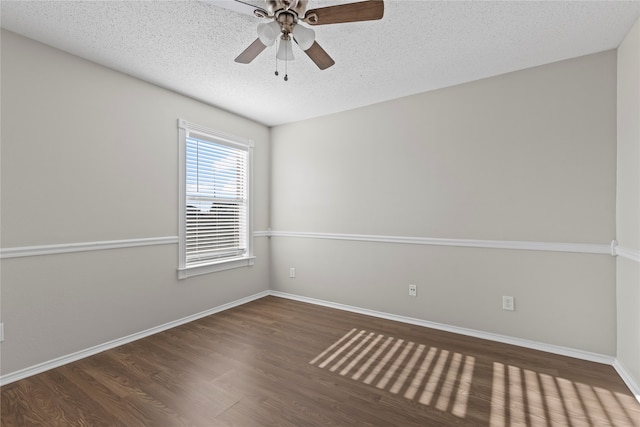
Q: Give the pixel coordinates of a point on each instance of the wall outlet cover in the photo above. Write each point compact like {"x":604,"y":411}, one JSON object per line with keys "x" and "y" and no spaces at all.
{"x":508,"y":303}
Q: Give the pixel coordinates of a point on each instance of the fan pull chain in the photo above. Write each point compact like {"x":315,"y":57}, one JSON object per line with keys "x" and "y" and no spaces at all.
{"x":286,"y":76}
{"x":286,"y":61}
{"x":277,"y":74}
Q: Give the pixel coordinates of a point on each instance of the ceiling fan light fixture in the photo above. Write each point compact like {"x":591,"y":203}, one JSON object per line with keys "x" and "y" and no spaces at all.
{"x":284,"y":21}
{"x":285,"y":50}
{"x":268,"y":33}
{"x":304,"y":36}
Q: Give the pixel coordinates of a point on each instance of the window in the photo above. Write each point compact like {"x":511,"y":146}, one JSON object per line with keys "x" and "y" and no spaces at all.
{"x":215,"y":201}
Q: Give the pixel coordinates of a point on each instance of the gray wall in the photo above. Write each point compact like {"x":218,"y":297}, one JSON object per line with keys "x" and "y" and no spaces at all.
{"x":628,"y":203}
{"x":526,"y":156}
{"x":91,"y":155}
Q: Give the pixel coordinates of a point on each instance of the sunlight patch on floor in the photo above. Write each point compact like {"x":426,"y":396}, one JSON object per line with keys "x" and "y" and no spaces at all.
{"x":443,"y":379}
{"x":525,"y":397}
{"x":430,"y":376}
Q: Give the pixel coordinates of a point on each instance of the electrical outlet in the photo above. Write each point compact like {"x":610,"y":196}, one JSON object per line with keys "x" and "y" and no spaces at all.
{"x":292,"y":272}
{"x":413,"y":290}
{"x":508,"y":303}
{"x":1,"y":332}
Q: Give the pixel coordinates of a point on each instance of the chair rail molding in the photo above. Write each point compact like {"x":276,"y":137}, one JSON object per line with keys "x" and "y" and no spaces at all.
{"x":632,"y":254}
{"x":587,"y":248}
{"x":27,"y":251}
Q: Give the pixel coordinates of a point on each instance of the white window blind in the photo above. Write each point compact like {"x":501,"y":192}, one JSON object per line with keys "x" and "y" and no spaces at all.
{"x":216,"y":226}
{"x":216,"y":201}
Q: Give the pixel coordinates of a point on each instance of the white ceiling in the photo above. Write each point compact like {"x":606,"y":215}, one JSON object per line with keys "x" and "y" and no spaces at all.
{"x":190,"y":46}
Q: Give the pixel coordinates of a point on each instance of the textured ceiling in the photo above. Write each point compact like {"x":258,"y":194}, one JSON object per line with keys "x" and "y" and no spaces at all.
{"x":190,"y":46}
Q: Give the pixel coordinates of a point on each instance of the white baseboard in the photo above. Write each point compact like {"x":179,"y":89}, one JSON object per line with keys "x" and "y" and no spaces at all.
{"x":628,"y":379}
{"x":564,"y":351}
{"x":63,"y":360}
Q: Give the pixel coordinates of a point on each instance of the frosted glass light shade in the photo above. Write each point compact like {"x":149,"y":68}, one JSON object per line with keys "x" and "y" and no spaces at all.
{"x":304,"y":36}
{"x":268,"y":33}
{"x":285,"y":51}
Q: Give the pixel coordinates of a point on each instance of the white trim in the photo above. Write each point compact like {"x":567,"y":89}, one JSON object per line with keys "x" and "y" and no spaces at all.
{"x":587,"y":248}
{"x":549,"y":348}
{"x":234,"y":140}
{"x":182,"y":191}
{"x":23,"y":251}
{"x":63,"y":360}
{"x":631,"y":254}
{"x":628,"y":379}
{"x":63,"y":248}
{"x":592,"y":248}
{"x":226,"y":264}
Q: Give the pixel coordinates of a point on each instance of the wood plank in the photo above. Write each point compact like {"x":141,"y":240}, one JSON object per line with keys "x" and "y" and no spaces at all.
{"x":251,"y":366}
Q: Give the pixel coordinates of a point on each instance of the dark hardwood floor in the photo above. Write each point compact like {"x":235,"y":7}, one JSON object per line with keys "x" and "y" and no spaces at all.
{"x":276,"y":362}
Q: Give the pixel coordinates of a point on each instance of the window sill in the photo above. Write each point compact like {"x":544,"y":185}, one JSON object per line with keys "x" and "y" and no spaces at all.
{"x":227,"y":264}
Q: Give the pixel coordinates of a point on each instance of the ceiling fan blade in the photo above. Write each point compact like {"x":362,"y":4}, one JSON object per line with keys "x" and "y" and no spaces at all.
{"x":250,"y":53}
{"x":351,"y":12}
{"x":319,"y":56}
{"x":239,"y":6}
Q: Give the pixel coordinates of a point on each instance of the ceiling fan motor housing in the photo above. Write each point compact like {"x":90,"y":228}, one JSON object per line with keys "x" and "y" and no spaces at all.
{"x":299,"y":7}
{"x":287,"y":21}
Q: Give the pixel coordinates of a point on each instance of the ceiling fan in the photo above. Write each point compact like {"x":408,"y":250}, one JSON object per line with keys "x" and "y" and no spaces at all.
{"x":286,"y":18}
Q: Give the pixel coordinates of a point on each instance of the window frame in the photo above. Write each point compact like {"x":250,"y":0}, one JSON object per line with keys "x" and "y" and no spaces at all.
{"x":185,"y":130}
